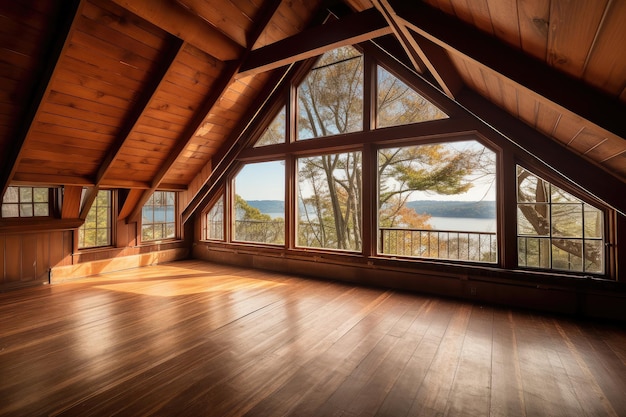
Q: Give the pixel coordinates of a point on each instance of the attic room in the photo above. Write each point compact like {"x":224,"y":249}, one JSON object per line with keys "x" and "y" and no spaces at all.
{"x":313,"y":207}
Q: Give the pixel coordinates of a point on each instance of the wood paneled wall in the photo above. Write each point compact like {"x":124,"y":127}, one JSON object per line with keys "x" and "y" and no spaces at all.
{"x":26,"y":258}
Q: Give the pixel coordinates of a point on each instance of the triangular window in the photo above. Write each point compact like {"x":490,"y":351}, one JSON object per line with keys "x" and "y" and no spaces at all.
{"x":399,"y":104}
{"x":275,"y":132}
{"x":330,"y":99}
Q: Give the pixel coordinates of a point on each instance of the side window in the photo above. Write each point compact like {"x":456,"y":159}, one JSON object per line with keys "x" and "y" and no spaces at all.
{"x":26,"y":202}
{"x":96,"y":231}
{"x":556,"y":230}
{"x":158,"y":217}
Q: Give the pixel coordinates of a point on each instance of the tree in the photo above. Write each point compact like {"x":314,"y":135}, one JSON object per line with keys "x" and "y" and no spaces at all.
{"x":253,"y":226}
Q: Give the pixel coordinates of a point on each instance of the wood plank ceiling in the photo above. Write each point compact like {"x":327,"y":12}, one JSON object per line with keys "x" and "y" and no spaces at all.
{"x":141,"y":94}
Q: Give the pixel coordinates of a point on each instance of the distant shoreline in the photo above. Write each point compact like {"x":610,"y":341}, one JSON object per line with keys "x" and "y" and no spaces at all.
{"x":454,"y":209}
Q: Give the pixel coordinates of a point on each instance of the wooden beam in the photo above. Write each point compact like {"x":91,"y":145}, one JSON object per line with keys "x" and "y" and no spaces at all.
{"x":169,"y":57}
{"x":59,"y":40}
{"x":348,"y":30}
{"x":227,"y":77}
{"x":180,"y":22}
{"x":549,"y":85}
{"x":71,"y":202}
{"x":148,"y":93}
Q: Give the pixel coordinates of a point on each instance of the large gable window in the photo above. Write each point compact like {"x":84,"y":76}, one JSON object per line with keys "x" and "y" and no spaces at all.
{"x":158,"y":216}
{"x":555,"y":229}
{"x":330,"y":99}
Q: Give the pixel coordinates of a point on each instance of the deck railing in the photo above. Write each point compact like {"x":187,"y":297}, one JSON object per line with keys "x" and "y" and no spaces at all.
{"x":419,"y":243}
{"x":439,"y":244}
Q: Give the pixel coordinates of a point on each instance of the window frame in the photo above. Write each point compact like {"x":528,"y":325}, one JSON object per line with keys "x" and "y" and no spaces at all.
{"x":51,"y":203}
{"x":176,"y":220}
{"x":555,"y":180}
{"x":111,"y":222}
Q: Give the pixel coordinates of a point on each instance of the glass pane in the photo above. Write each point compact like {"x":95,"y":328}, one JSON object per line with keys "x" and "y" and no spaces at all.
{"x":170,"y":230}
{"x":260,"y":203}
{"x":560,"y":196}
{"x":41,"y":195}
{"x":169,"y":214}
{"x":147,"y":215}
{"x":158,"y":231}
{"x":329,"y":201}
{"x":102,"y":237}
{"x":102,"y":216}
{"x":533,"y":219}
{"x":330,"y":100}
{"x":215,"y":221}
{"x":170,"y":198}
{"x":531,"y":188}
{"x":11,"y":195}
{"x":41,"y":209}
{"x":399,"y":104}
{"x":594,"y":256}
{"x":567,"y":220}
{"x":26,"y":194}
{"x":594,"y":225}
{"x":533,"y":252}
{"x":10,"y":210}
{"x":275,"y":132}
{"x":147,"y":232}
{"x":567,"y":254}
{"x":26,"y":210}
{"x":90,"y":238}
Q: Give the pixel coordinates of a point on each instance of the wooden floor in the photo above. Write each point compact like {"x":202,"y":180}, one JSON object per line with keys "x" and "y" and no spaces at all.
{"x":198,"y":339}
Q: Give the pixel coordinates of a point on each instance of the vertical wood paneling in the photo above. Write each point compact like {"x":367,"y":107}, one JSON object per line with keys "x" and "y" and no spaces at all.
{"x":29,"y":257}
{"x":505,"y":21}
{"x":607,"y":64}
{"x":534,"y":18}
{"x":573,"y":27}
{"x":13,"y":258}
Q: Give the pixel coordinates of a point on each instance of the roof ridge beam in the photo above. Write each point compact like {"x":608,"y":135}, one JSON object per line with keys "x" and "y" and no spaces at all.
{"x":349,"y":30}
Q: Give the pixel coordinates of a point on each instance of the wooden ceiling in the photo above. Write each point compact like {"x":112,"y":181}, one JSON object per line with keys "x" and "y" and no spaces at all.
{"x":142,"y":94}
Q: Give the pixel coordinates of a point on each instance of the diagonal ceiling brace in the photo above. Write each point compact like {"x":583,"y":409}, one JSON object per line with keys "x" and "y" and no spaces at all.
{"x":424,"y":55}
{"x":131,"y":121}
{"x":220,"y":88}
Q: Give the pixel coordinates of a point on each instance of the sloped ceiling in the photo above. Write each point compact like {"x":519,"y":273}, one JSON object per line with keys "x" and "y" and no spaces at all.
{"x":143,"y":94}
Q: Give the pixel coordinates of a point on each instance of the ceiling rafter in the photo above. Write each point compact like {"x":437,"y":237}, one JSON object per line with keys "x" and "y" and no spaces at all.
{"x":67,"y":15}
{"x":546,"y":83}
{"x":180,"y":22}
{"x":349,"y":30}
{"x":149,"y":91}
{"x":220,"y":88}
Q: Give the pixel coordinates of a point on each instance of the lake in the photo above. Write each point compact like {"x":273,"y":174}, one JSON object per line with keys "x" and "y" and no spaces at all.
{"x":449,"y":223}
{"x":463,"y":224}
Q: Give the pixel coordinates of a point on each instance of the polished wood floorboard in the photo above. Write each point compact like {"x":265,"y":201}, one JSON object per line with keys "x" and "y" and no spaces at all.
{"x":198,"y":339}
